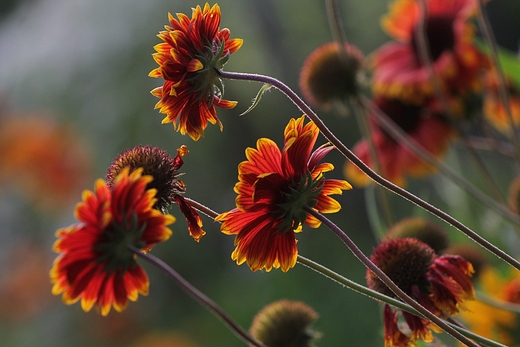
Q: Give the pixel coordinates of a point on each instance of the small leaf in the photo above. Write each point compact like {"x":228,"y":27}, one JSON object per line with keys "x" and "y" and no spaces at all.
{"x":256,"y":100}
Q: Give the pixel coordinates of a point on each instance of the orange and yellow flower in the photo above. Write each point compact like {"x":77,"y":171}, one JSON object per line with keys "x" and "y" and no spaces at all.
{"x":275,"y":189}
{"x":425,"y":125}
{"x":489,"y":320}
{"x":95,"y":264}
{"x":439,"y":283}
{"x":399,"y":71}
{"x":193,"y":52}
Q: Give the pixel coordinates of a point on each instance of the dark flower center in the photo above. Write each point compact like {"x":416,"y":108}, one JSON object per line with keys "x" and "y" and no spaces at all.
{"x":439,"y":36}
{"x":293,"y":203}
{"x":406,"y":116}
{"x":112,"y":248}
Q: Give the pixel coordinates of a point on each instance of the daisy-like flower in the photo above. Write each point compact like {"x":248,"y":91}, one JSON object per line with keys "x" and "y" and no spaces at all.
{"x":95,"y":265}
{"x":164,"y":169}
{"x":193,"y":52}
{"x":439,"y":283}
{"x":424,"y":124}
{"x":274,"y":190}
{"x":330,"y":75}
{"x":398,"y":68}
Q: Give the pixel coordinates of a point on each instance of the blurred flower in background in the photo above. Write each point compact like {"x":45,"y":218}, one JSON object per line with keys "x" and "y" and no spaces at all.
{"x":45,"y":160}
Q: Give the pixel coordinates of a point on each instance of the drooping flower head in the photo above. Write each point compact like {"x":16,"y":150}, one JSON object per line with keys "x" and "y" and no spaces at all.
{"x":425,"y":124}
{"x":439,"y":283}
{"x":330,"y":75}
{"x":95,"y":265}
{"x":193,"y":52}
{"x":285,"y":323}
{"x":399,"y":71}
{"x":274,"y":190}
{"x":164,"y":169}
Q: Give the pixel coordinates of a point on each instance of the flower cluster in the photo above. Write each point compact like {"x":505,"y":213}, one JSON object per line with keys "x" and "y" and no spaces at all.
{"x":281,"y":189}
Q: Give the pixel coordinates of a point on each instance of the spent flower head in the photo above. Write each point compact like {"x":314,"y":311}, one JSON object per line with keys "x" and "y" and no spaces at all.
{"x":422,"y":230}
{"x":164,"y":169}
{"x":330,"y":74}
{"x":439,"y":283}
{"x":190,"y":58}
{"x":285,"y":323}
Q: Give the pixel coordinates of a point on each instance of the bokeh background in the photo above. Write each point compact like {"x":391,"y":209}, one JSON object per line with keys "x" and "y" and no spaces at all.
{"x":74,"y":83}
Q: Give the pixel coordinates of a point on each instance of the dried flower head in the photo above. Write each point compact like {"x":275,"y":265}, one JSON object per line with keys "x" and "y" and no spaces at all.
{"x":164,"y":169}
{"x":330,"y":75}
{"x":440,"y":284}
{"x":285,"y":323}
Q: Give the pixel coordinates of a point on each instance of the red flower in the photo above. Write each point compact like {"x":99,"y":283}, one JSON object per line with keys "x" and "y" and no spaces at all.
{"x":440,"y":284}
{"x":189,"y":59}
{"x":95,"y":265}
{"x":424,"y":124}
{"x":274,"y":190}
{"x":398,"y":68}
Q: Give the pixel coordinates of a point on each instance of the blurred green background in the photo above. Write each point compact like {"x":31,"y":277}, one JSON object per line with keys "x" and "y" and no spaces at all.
{"x":85,"y":63}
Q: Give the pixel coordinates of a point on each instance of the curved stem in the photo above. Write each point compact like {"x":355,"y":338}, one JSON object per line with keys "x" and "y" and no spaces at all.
{"x":199,"y":296}
{"x":365,"y":168}
{"x":322,"y":270}
{"x":409,"y":142}
{"x":387,"y":281}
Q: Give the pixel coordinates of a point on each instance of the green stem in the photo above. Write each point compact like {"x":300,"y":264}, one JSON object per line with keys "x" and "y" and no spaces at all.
{"x":388,"y":282}
{"x":365,"y":168}
{"x":322,"y":270}
{"x":199,"y":296}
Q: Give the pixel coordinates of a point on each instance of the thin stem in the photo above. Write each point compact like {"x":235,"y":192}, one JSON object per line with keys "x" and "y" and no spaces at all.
{"x":365,"y":168}
{"x":201,"y":208}
{"x":199,"y":296}
{"x":397,"y":133}
{"x":387,"y":281}
{"x":322,"y":270}
{"x":382,"y":193}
